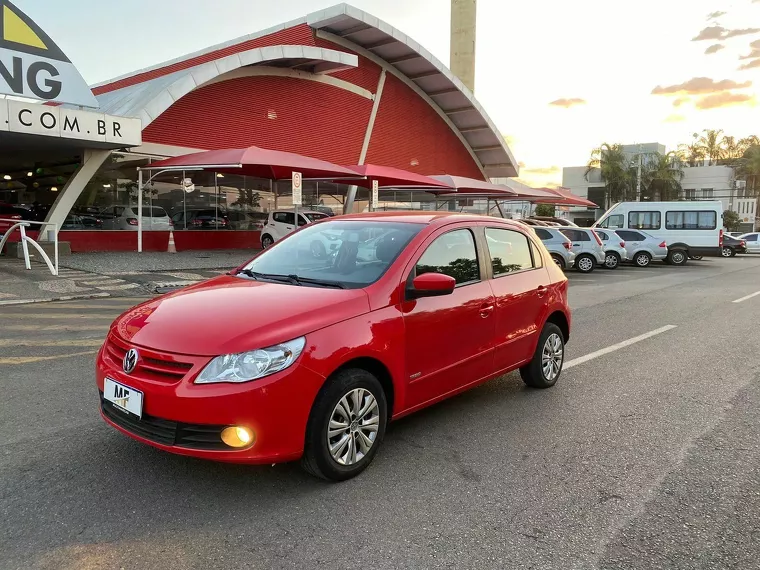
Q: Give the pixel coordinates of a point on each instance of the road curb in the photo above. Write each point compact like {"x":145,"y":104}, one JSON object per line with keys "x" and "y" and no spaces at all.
{"x":62,"y":298}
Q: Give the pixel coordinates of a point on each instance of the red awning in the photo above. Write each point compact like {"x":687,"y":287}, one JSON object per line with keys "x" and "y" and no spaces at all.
{"x":389,"y":177}
{"x":258,"y":162}
{"x":472,"y":186}
{"x":566,"y":198}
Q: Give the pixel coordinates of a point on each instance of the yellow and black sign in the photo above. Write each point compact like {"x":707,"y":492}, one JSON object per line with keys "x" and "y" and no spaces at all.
{"x":32,"y":65}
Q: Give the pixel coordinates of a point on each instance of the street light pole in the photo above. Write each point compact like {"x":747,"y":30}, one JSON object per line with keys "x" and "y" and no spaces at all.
{"x":638,"y":178}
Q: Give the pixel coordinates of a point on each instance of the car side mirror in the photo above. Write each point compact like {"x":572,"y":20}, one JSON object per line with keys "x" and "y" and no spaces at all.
{"x":431,"y":285}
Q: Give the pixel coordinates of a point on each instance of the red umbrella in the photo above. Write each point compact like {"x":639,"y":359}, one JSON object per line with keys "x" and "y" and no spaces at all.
{"x":473,"y":186}
{"x":258,"y":162}
{"x":389,"y":177}
{"x":566,"y":198}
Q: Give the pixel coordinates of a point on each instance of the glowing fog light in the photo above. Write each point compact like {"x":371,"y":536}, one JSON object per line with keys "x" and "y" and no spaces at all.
{"x":237,"y":436}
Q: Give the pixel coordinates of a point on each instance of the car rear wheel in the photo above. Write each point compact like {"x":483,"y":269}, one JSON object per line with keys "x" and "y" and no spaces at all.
{"x":611,"y":260}
{"x":266,"y":241}
{"x":346,"y":426}
{"x":558,"y":260}
{"x":584,"y":263}
{"x":727,"y":252}
{"x":677,"y":257}
{"x":642,"y":259}
{"x":545,"y":368}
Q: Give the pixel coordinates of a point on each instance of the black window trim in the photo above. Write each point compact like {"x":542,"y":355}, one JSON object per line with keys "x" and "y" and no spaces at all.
{"x":659,"y":219}
{"x":531,"y":247}
{"x":471,"y":229}
{"x":715,"y":226}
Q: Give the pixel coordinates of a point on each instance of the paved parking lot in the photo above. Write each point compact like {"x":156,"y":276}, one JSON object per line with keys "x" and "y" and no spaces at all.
{"x":644,"y":455}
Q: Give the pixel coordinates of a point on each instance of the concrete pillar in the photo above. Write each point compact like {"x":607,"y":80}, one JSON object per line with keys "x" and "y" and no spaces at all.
{"x":463,"y":19}
{"x":91,"y":161}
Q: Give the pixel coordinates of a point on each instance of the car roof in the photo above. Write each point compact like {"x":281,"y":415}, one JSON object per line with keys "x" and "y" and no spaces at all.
{"x":429,"y":218}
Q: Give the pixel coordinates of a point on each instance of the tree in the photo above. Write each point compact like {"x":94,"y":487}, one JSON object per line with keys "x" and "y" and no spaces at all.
{"x":748,"y":169}
{"x":691,"y":154}
{"x":731,"y":220}
{"x":545,"y":210}
{"x":661,"y":176}
{"x":713,"y":145}
{"x":615,"y":170}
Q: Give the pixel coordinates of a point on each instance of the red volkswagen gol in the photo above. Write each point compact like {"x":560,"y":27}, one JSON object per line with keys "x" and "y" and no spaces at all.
{"x":308,"y":350}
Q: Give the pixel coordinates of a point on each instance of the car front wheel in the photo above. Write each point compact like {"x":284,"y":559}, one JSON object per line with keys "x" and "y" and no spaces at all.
{"x":584,"y":263}
{"x":545,"y":368}
{"x":346,"y":426}
{"x":611,"y":260}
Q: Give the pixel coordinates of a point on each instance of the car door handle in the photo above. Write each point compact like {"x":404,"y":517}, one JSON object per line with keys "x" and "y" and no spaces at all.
{"x":288,"y":227}
{"x":486,"y":310}
{"x":541,"y":291}
{"x":576,"y":245}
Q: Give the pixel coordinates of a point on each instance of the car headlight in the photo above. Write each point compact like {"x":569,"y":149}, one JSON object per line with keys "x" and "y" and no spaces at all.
{"x":252,"y":365}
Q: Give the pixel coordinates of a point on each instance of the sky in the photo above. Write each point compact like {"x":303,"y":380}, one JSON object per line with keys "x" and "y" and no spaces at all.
{"x":557,"y":77}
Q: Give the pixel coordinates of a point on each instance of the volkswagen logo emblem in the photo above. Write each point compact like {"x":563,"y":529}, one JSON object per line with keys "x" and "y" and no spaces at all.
{"x":130,"y":360}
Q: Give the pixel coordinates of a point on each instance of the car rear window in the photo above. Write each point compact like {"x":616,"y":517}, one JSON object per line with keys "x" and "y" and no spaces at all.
{"x":543,"y":234}
{"x":153,"y":212}
{"x":576,"y":235}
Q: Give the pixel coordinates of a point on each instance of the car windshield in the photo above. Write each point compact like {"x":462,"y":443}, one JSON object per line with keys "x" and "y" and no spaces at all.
{"x":344,"y":253}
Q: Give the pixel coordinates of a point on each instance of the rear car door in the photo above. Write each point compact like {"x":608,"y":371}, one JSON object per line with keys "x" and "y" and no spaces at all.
{"x":753,"y":243}
{"x":449,"y":339}
{"x":519,"y":288}
{"x":581,"y":241}
{"x":633,"y":241}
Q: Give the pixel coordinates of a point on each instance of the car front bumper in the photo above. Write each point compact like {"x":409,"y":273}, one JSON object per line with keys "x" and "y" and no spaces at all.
{"x":187,"y":419}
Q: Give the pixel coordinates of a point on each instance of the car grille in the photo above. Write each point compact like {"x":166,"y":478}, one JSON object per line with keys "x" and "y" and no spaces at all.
{"x":150,"y":366}
{"x":166,"y":432}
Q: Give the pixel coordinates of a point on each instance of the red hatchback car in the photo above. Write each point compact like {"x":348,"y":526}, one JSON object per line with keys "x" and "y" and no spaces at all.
{"x":297,"y":355}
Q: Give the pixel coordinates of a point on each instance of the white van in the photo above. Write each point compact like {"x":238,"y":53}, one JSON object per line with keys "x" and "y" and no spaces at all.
{"x":689,"y":228}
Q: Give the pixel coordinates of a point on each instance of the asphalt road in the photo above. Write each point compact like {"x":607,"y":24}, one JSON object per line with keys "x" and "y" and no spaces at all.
{"x":645,"y":455}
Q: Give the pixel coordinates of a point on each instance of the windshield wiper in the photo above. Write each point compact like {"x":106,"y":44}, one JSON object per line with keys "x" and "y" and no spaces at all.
{"x":248,"y":273}
{"x":292,"y":279}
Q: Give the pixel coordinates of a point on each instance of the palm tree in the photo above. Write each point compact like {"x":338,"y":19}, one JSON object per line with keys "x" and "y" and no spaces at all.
{"x":732,"y":150}
{"x":749,"y":170}
{"x":615,"y":170}
{"x":712,"y":145}
{"x":662,"y":176}
{"x":692,"y":154}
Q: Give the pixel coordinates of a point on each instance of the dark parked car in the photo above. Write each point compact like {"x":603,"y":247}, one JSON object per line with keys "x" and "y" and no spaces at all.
{"x":200,"y":219}
{"x":732,"y":246}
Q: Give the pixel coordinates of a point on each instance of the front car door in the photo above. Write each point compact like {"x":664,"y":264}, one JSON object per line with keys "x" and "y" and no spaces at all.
{"x":518,"y":285}
{"x":282,"y":224}
{"x":449,"y":339}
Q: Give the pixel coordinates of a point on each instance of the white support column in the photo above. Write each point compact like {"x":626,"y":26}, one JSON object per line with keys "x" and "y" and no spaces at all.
{"x":351,"y":194}
{"x":67,"y":197}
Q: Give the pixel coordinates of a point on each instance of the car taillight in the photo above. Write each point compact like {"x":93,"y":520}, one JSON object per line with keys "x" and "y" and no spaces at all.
{"x":663,"y":244}
{"x":720,"y":239}
{"x":567,"y":245}
{"x":197,"y":222}
{"x":622,"y":244}
{"x":132,"y":221}
{"x":743,"y":243}
{"x":598,"y":239}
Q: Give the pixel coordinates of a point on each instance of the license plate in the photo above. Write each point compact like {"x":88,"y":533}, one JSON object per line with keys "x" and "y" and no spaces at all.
{"x":123,"y":397}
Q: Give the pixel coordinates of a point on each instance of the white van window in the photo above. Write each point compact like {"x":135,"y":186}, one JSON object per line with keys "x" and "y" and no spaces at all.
{"x":615,"y":221}
{"x":644,"y":220}
{"x":691,"y":220}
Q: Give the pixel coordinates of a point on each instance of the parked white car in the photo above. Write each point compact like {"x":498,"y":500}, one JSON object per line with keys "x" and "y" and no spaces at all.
{"x":690,"y":229}
{"x":125,"y":218}
{"x":614,"y":248}
{"x":282,"y":222}
{"x":752,"y":240}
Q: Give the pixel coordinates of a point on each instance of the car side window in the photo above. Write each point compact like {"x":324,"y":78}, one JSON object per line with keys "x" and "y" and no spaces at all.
{"x":752,"y":237}
{"x":454,"y":254}
{"x":644,"y":220}
{"x":543,"y":235}
{"x":604,"y":236}
{"x":302,"y":221}
{"x":615,"y":221}
{"x":576,"y":235}
{"x":510,"y":251}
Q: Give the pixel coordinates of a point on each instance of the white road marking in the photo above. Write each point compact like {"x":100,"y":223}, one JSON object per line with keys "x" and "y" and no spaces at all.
{"x":614,"y":347}
{"x":117,"y":287}
{"x":747,"y":297}
{"x":103,"y":281}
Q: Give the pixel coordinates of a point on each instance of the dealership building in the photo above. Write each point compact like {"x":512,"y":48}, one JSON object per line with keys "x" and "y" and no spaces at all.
{"x":338,"y":85}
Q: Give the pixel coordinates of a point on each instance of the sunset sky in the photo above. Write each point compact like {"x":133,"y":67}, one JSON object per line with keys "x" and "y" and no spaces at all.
{"x":557,"y":77}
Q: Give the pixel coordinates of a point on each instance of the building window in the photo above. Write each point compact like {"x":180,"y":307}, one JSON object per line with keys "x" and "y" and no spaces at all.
{"x":644,"y":220}
{"x":691,"y":220}
{"x":690,"y":193}
{"x":708,"y":193}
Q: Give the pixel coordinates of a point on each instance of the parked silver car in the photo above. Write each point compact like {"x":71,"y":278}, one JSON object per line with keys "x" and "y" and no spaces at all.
{"x":642,"y":247}
{"x":587,"y":247}
{"x":614,"y":248}
{"x":558,"y":244}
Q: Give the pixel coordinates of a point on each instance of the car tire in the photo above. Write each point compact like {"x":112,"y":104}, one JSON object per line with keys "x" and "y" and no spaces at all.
{"x":677,"y":257}
{"x":266,"y":241}
{"x":611,"y":260}
{"x":727,"y":252}
{"x":545,"y":368}
{"x":585,"y":263}
{"x":336,"y":405}
{"x":558,"y":260}
{"x":642,"y":259}
{"x":318,"y":249}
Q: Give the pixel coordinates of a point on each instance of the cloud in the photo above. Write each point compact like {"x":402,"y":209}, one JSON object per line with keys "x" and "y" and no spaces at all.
{"x":700,"y":86}
{"x":742,"y":32}
{"x":715,"y":15}
{"x":755,"y":63}
{"x":680,"y":101}
{"x":715,"y":48}
{"x":546,"y":170}
{"x":567,"y":103}
{"x":721,"y":33}
{"x":674,"y":119}
{"x":710,"y":33}
{"x":754,"y":54}
{"x":724,"y":100}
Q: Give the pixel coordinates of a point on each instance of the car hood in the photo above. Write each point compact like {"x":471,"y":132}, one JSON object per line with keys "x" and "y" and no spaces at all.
{"x":228,"y":314}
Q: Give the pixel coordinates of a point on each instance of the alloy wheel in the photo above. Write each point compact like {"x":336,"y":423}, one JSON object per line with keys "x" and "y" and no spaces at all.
{"x":611,"y":261}
{"x":726,"y":252}
{"x":551,"y":357}
{"x":353,"y":426}
{"x":266,"y":242}
{"x":585,"y":264}
{"x":642,"y":260}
